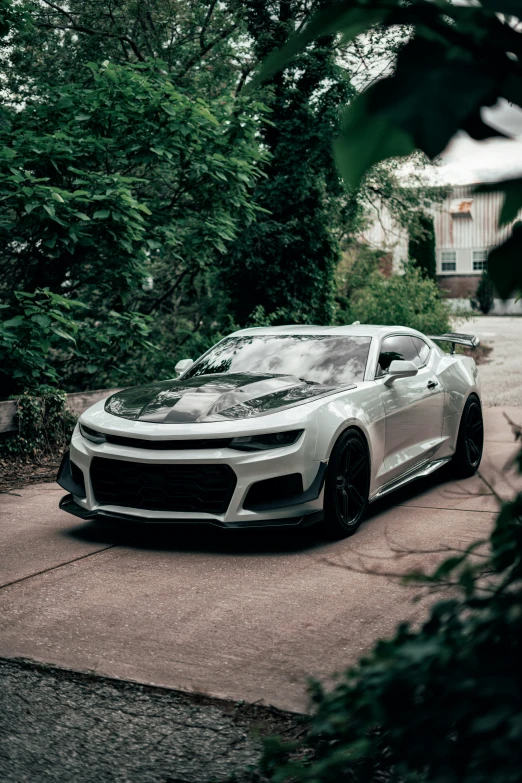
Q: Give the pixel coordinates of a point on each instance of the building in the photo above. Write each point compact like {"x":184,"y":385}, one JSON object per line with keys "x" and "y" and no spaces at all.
{"x":466,"y":228}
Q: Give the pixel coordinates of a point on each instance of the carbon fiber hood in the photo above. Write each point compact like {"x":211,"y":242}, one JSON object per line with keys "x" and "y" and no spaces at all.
{"x":213,"y":398}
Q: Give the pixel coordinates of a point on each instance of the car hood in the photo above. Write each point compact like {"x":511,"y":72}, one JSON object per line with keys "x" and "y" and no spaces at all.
{"x":213,"y":398}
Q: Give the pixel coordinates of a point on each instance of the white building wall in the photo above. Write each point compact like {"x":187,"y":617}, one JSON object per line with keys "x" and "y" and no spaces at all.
{"x":383,"y":233}
{"x":461,"y":234}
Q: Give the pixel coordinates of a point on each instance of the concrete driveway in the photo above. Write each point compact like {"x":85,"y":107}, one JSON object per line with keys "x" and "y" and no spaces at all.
{"x":229,"y":613}
{"x":501,"y":373}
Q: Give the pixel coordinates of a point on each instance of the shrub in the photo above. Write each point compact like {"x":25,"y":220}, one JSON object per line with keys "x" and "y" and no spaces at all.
{"x":410,"y":300}
{"x":443,"y":703}
{"x":484,"y":297}
{"x":421,"y":249}
{"x":45,"y":426}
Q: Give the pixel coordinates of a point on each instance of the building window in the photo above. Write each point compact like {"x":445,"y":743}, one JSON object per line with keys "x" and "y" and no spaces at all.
{"x":480,"y":260}
{"x":448,"y":260}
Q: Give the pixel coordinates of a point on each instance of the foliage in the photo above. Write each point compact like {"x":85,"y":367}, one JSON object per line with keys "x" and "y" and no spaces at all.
{"x":197,"y":42}
{"x":421,"y":248}
{"x":409,"y":299}
{"x":44,"y":425}
{"x":120,"y":191}
{"x":41,"y":338}
{"x":456,"y":60}
{"x":285,"y":260}
{"x":484,"y":296}
{"x":442,"y":702}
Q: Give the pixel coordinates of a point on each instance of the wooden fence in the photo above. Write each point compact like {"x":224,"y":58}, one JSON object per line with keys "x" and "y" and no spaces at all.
{"x":76,"y":402}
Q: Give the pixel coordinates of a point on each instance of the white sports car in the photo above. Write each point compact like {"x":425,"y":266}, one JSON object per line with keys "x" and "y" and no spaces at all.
{"x":290,"y":425}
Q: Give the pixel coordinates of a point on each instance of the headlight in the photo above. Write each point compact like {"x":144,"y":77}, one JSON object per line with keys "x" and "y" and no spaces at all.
{"x":263,"y":442}
{"x":93,"y":435}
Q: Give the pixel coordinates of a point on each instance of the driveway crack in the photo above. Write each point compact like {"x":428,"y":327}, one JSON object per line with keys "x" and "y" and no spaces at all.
{"x":56,"y":567}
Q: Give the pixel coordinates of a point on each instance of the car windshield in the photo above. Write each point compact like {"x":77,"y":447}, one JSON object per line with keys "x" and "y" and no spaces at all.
{"x":328,"y":360}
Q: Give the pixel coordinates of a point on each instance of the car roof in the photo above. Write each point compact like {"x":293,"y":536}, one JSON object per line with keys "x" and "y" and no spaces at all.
{"x":362,"y":330}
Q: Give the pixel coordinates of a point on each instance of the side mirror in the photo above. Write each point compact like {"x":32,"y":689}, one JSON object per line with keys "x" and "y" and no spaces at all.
{"x":183,"y":365}
{"x":400,"y":368}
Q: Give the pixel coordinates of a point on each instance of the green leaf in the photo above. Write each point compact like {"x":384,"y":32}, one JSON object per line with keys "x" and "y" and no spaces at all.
{"x":512,"y":205}
{"x":144,"y":209}
{"x":508,"y":7}
{"x":30,"y":206}
{"x":57,"y":197}
{"x":63,"y":334}
{"x":504,"y":266}
{"x":41,"y":320}
{"x":82,"y":216}
{"x":50,"y":210}
{"x":333,"y":19}
{"x":101,"y":214}
{"x":367,"y":139}
{"x":448,"y":566}
{"x":432,"y":95}
{"x":16,"y":321}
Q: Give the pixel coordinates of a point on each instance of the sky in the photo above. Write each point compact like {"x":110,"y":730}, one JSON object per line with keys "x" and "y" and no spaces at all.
{"x":466,"y":161}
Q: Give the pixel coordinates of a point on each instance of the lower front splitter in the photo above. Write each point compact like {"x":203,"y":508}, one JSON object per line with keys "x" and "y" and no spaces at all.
{"x":68,"y":503}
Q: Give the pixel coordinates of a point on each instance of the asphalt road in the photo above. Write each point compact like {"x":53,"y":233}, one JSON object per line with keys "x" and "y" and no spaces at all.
{"x":234,"y":614}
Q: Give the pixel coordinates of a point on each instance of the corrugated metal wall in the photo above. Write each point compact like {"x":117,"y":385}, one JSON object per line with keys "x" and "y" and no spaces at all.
{"x":477,"y":230}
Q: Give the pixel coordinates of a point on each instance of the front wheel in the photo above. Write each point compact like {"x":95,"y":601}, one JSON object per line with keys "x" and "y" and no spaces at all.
{"x":347,"y":485}
{"x":470,"y":441}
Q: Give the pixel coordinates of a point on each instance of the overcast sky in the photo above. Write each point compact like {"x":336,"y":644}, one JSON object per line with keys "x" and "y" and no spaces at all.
{"x":466,"y":161}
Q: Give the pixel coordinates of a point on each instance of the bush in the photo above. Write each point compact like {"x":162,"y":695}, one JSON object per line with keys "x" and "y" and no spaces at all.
{"x":421,"y":249}
{"x":45,"y":426}
{"x":484,"y":297}
{"x":410,"y":300}
{"x":41,"y":338}
{"x":443,"y":703}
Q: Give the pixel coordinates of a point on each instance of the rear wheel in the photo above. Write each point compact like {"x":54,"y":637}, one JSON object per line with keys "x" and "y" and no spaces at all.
{"x":347,"y":485}
{"x":470,"y":441}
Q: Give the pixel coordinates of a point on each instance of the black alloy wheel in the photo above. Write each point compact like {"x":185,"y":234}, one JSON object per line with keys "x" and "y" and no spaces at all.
{"x":347,"y":485}
{"x":470,"y":441}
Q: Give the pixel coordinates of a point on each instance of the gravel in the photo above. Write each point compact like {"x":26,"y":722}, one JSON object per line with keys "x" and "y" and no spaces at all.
{"x":66,"y":727}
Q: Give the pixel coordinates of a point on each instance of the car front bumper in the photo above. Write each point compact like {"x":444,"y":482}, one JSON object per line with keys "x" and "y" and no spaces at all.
{"x":295,"y":510}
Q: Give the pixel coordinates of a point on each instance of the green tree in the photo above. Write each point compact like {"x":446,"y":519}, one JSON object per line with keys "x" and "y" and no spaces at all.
{"x":121,"y":192}
{"x":484,"y":296}
{"x":455,"y":60}
{"x":421,"y":247}
{"x":285,"y":260}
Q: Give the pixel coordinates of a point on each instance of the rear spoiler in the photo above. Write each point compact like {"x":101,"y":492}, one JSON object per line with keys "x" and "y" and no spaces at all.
{"x":455,"y":338}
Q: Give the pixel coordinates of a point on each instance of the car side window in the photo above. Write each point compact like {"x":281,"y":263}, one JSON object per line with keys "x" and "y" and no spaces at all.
{"x":399,"y":346}
{"x":423,"y":349}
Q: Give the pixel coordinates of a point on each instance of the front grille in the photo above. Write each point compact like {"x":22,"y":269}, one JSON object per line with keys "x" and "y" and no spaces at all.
{"x":141,"y":443}
{"x":201,"y":488}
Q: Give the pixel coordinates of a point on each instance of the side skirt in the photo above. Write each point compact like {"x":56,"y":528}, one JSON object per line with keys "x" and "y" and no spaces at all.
{"x":420,"y":471}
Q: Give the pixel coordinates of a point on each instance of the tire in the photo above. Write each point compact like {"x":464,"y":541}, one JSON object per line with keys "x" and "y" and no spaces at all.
{"x":470,"y":440}
{"x":347,"y":485}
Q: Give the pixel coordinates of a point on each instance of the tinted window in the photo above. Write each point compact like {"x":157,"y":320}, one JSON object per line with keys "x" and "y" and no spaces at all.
{"x":397,"y":347}
{"x":330,"y":360}
{"x":423,"y":349}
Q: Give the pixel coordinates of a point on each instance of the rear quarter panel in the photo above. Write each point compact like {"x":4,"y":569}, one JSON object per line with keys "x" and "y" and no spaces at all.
{"x":459,"y":377}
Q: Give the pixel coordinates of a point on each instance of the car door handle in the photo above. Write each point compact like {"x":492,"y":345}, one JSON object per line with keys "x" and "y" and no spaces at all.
{"x":432,"y":384}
